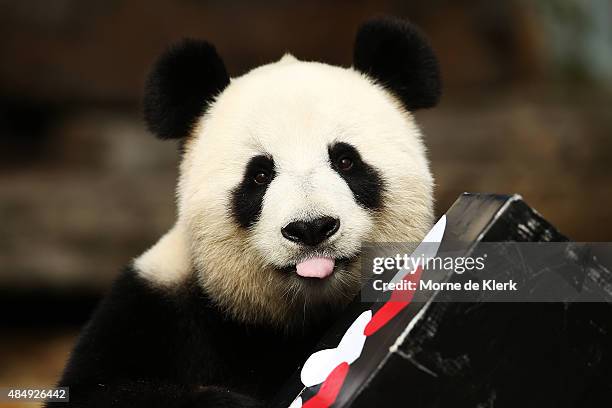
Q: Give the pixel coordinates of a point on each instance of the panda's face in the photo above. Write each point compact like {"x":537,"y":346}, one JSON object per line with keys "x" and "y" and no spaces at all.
{"x":288,"y":169}
{"x":291,"y":169}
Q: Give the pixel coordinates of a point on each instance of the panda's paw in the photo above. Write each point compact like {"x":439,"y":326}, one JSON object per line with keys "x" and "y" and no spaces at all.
{"x":219,"y":397}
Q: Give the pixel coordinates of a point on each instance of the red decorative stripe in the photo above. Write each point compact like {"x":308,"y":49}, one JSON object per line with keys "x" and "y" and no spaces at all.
{"x":330,"y":388}
{"x":398,"y":301}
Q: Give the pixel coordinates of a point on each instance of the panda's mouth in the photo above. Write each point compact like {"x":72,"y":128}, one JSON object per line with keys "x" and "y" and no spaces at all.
{"x":317,"y":267}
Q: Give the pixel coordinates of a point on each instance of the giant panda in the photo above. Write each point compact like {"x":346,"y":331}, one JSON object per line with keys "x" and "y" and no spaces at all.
{"x":285,"y":171}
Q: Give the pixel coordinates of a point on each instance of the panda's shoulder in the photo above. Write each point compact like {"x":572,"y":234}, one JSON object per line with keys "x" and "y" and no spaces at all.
{"x":134,"y":296}
{"x":136,"y":330}
{"x":137,"y":310}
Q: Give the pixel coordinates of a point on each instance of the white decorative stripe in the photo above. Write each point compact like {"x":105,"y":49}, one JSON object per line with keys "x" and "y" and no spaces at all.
{"x":320,"y":364}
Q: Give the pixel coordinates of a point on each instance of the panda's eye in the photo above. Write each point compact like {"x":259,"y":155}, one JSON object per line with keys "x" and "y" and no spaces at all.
{"x":261,"y":178}
{"x":344,"y":163}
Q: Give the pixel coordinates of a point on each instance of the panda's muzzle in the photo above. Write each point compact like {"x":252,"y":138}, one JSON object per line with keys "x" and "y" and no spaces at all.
{"x":312,"y":232}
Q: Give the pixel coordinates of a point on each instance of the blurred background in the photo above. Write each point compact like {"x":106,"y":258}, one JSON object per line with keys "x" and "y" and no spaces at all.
{"x":84,"y":188}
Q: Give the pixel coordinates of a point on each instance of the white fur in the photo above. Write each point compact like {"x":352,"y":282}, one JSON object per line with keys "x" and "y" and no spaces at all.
{"x":292,"y":111}
{"x":167,"y":262}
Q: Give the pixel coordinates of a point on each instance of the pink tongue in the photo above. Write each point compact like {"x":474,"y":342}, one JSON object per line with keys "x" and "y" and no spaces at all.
{"x":315,"y":267}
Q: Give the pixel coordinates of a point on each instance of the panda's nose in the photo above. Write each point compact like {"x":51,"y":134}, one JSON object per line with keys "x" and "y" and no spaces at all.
{"x":311,"y":232}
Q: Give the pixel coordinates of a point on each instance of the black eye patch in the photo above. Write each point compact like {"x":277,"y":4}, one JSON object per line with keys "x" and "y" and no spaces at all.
{"x":247,"y":197}
{"x":364,"y":180}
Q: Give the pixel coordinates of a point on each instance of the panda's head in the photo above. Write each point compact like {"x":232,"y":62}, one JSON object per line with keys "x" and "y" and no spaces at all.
{"x":289,"y":168}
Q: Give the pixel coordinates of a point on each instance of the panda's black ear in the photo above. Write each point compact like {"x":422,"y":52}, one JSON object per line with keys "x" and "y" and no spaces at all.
{"x":398,"y":56}
{"x":183,"y":81}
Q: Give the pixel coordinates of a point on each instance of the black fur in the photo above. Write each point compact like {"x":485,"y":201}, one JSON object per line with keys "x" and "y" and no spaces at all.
{"x":182,"y":83}
{"x":247,"y":197}
{"x":395,"y":53}
{"x":364,"y":180}
{"x":150,"y":348}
